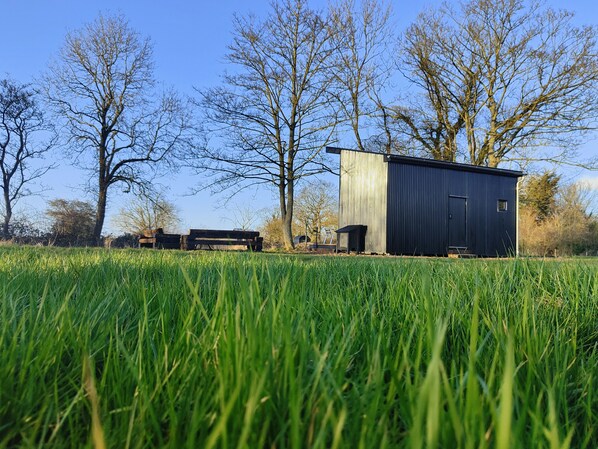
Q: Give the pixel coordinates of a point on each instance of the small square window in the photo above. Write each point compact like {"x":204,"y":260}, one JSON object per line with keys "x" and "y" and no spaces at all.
{"x":501,"y":205}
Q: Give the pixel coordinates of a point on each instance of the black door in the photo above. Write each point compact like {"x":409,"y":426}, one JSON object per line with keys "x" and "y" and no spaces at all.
{"x":457,"y":222}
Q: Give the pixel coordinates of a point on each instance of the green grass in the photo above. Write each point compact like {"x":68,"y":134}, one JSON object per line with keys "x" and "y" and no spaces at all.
{"x":233,"y":350}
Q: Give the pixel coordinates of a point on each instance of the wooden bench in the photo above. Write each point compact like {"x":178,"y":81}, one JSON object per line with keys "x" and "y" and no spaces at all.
{"x":210,"y":238}
{"x":158,"y":240}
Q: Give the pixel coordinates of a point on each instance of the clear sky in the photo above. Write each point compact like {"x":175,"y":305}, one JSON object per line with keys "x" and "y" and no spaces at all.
{"x":190,"y":39}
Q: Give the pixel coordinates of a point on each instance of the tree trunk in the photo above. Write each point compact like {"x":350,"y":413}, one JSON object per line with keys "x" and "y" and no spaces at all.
{"x":493,"y":160}
{"x":286,"y":214}
{"x":287,"y":237}
{"x":100,"y":215}
{"x":5,"y":225}
{"x":287,"y":230}
{"x":287,"y":233}
{"x":7,"y":215}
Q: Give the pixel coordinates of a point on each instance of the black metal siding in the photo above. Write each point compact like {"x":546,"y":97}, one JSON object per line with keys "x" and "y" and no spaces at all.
{"x":418,"y":205}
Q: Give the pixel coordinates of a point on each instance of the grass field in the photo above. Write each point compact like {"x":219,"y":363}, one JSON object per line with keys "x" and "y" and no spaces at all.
{"x":136,"y":349}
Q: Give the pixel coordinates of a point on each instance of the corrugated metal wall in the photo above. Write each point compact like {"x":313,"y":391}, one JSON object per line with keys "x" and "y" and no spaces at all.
{"x":363,"y":197}
{"x":418,"y":210}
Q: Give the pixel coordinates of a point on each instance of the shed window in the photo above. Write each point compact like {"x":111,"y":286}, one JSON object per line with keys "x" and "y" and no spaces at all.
{"x":501,"y":205}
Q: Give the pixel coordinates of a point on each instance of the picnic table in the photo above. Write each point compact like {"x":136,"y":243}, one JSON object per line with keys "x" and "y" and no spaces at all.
{"x":210,"y":238}
{"x":202,"y":239}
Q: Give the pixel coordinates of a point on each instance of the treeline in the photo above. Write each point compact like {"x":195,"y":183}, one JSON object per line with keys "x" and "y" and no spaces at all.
{"x":554,"y":219}
{"x":487,"y":82}
{"x":71,"y":223}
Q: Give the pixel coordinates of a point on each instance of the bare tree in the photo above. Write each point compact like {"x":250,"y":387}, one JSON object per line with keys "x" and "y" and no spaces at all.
{"x":20,"y":119}
{"x":117,"y":125}
{"x":432,"y":120}
{"x":147,"y":213}
{"x":244,"y":217}
{"x":316,"y":207}
{"x":363,"y":40}
{"x":499,"y":79}
{"x":274,"y":113}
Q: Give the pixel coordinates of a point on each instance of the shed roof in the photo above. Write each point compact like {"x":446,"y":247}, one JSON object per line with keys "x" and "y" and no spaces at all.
{"x":409,"y":160}
{"x":351,"y":228}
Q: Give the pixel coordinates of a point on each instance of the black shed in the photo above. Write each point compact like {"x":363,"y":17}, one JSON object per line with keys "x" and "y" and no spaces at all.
{"x":417,"y":206}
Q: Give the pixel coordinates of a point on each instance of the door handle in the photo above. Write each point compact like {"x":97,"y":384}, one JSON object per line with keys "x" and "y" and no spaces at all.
{"x":450,"y":216}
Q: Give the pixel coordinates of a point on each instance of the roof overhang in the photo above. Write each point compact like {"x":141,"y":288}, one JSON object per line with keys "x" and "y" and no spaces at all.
{"x":395,"y":158}
{"x":409,"y":160}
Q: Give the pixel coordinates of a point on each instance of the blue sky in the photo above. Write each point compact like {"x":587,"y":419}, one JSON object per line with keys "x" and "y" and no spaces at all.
{"x":190,"y":39}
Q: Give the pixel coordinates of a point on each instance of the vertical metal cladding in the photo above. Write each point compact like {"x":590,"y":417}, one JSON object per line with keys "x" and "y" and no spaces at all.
{"x":416,"y":220}
{"x":419,"y":208}
{"x":363,"y":197}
